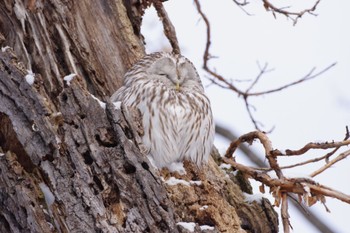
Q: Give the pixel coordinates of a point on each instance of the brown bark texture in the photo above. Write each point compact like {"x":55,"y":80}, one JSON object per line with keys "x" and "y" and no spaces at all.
{"x":68,"y":164}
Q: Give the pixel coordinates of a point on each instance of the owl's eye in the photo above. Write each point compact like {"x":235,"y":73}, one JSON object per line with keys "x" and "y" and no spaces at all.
{"x":164,"y":74}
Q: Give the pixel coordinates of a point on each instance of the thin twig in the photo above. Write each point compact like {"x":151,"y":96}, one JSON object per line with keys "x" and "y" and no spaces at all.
{"x":307,"y":77}
{"x":310,"y":160}
{"x":241,"y":6}
{"x":330,"y":163}
{"x":243,"y":3}
{"x":263,"y":70}
{"x":252,"y":118}
{"x":313,"y":145}
{"x":268,"y":6}
{"x":298,"y":164}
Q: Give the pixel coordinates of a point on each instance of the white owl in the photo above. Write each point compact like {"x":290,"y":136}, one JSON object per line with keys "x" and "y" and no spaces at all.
{"x":177,"y":117}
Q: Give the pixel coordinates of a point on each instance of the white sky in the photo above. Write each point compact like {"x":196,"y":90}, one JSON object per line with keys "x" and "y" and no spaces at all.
{"x":316,"y":110}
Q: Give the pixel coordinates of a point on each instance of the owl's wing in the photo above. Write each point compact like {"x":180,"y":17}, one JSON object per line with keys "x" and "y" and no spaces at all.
{"x":117,"y":96}
{"x":201,"y":130}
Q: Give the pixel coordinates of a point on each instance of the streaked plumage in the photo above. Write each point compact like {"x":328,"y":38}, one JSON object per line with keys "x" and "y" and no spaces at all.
{"x":177,"y":118}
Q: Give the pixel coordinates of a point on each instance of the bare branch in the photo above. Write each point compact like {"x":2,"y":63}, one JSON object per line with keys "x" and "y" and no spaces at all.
{"x":294,"y":16}
{"x":270,"y":154}
{"x":284,"y":213}
{"x":306,"y":162}
{"x":252,"y":119}
{"x":288,"y":185}
{"x":224,"y":83}
{"x":310,"y":190}
{"x":332,"y":162}
{"x":313,"y":145}
{"x":306,"y":148}
{"x":307,"y":77}
{"x":169,"y":28}
{"x":254,"y":157}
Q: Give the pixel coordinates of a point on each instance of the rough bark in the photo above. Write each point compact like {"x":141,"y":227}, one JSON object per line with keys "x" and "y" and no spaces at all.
{"x":69,"y":165}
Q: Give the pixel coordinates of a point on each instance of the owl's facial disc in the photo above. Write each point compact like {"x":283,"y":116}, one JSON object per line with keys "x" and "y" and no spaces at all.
{"x":172,"y":78}
{"x":172,"y":72}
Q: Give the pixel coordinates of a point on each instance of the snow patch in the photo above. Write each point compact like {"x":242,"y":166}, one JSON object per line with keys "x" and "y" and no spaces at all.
{"x":69,"y":78}
{"x":44,"y":210}
{"x":117,"y":105}
{"x":177,"y":167}
{"x":196,"y":182}
{"x":225,"y":166}
{"x":101,"y":103}
{"x":49,"y":197}
{"x":206,"y":227}
{"x":203,"y":207}
{"x":187,"y":225}
{"x":175,"y":181}
{"x":30,"y":77}
{"x":253,"y":197}
{"x":3,"y":49}
{"x":234,"y":172}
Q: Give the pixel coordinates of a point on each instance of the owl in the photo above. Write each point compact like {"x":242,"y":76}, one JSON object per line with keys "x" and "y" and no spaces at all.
{"x":176,"y":114}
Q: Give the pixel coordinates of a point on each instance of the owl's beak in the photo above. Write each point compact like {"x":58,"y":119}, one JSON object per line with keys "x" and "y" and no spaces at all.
{"x":177,"y":88}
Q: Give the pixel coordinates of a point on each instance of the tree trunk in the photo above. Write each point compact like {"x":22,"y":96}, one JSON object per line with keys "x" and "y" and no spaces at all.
{"x":69,"y":163}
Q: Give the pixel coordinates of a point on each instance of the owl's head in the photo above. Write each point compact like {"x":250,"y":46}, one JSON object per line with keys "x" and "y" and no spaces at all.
{"x":174,"y":71}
